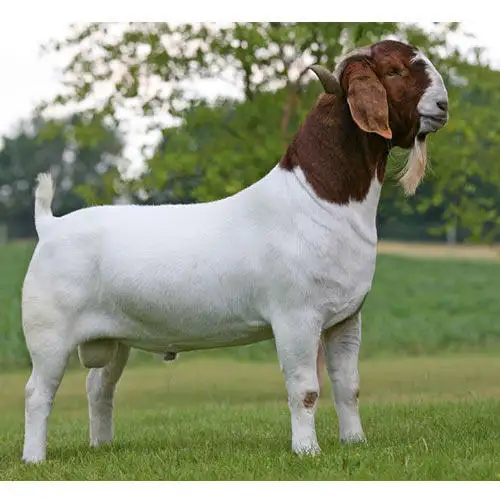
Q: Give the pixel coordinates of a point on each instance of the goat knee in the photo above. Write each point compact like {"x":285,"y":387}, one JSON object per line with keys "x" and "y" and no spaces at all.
{"x":310,"y":399}
{"x":302,"y":403}
{"x":346,"y":389}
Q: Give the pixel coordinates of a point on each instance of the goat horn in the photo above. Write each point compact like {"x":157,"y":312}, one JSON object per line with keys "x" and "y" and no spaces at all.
{"x":327,"y":79}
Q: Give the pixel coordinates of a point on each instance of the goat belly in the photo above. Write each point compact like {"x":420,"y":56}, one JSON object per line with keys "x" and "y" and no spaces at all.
{"x":200,"y":319}
{"x":174,"y":303}
{"x":171,"y":344}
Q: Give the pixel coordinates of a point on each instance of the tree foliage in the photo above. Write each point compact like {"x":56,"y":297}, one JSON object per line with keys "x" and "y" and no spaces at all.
{"x":153,"y":67}
{"x":219,"y":146}
{"x":78,"y":153}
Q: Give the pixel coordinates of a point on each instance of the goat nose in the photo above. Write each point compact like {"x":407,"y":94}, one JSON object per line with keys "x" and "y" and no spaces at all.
{"x":442,"y":105}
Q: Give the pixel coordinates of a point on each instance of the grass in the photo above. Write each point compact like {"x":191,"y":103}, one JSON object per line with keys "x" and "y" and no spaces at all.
{"x":222,"y":414}
{"x":416,"y":307}
{"x":14,"y":260}
{"x":426,"y":419}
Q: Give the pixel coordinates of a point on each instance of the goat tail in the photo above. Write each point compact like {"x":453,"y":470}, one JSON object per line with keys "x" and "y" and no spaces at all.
{"x":415,"y":167}
{"x":44,"y":194}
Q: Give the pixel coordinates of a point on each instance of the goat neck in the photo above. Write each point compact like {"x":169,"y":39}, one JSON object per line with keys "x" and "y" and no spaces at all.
{"x":338,"y":159}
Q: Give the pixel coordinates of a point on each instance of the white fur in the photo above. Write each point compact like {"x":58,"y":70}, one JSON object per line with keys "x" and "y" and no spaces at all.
{"x":414,"y":170}
{"x":435,"y":92}
{"x":342,"y":349}
{"x":43,"y":196}
{"x":272,"y":259}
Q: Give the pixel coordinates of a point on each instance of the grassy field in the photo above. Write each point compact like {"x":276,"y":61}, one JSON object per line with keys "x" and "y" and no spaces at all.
{"x":416,"y":307}
{"x":425,"y":418}
{"x":430,"y":391}
{"x":441,"y":250}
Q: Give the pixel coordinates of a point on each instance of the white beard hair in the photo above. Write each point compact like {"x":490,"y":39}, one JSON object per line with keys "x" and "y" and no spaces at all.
{"x":414,"y":170}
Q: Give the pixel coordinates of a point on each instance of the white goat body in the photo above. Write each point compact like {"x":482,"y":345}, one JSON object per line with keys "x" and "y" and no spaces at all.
{"x":290,"y":257}
{"x":180,"y":277}
{"x":273,"y":259}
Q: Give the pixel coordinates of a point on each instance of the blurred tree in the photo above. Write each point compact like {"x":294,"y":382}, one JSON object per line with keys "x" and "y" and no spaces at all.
{"x":218,"y":148}
{"x":466,"y":170}
{"x":79,"y":153}
{"x":145,"y":66}
{"x":460,"y":196}
{"x":221,"y":148}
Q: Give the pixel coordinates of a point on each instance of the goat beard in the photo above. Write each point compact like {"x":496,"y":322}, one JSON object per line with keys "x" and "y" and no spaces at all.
{"x":414,"y":171}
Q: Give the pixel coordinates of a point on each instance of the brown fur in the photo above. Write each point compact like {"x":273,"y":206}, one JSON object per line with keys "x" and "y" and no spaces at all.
{"x":310,"y":399}
{"x":367,"y":99}
{"x":338,"y":158}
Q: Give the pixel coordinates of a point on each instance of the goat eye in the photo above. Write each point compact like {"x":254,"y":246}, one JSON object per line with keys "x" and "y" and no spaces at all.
{"x":394,"y":72}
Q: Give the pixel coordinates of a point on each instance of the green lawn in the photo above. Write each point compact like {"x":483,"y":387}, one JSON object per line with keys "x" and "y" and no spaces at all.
{"x":430,"y":393}
{"x":425,"y":418}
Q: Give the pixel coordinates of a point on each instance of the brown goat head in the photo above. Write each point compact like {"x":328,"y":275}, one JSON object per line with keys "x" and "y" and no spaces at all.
{"x":392,"y":83}
{"x":383,"y":95}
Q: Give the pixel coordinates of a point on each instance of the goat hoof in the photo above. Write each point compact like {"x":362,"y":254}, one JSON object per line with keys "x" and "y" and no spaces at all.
{"x":303,"y":449}
{"x":33,"y":460}
{"x":353,"y":439}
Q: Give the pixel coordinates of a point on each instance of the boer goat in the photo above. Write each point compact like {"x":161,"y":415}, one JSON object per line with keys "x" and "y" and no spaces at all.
{"x":290,"y":257}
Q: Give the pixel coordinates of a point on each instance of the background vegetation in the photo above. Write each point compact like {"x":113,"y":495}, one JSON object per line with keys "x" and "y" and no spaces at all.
{"x":222,"y":102}
{"x":416,"y":307}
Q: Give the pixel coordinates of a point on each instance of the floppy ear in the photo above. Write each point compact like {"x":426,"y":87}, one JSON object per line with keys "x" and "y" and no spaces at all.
{"x":367,"y":99}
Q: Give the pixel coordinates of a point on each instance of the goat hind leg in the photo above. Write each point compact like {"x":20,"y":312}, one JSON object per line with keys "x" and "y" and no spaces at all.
{"x":48,"y":370}
{"x":101,"y":385}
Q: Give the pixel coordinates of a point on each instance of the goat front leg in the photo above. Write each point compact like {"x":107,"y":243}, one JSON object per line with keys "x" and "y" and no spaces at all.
{"x":341,"y":344}
{"x":297,"y":342}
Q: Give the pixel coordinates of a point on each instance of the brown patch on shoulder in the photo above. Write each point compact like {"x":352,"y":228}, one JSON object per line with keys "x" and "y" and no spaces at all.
{"x":337,"y":158}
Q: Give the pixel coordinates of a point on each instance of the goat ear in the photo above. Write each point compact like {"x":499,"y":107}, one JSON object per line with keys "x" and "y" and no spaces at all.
{"x":367,"y":99}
